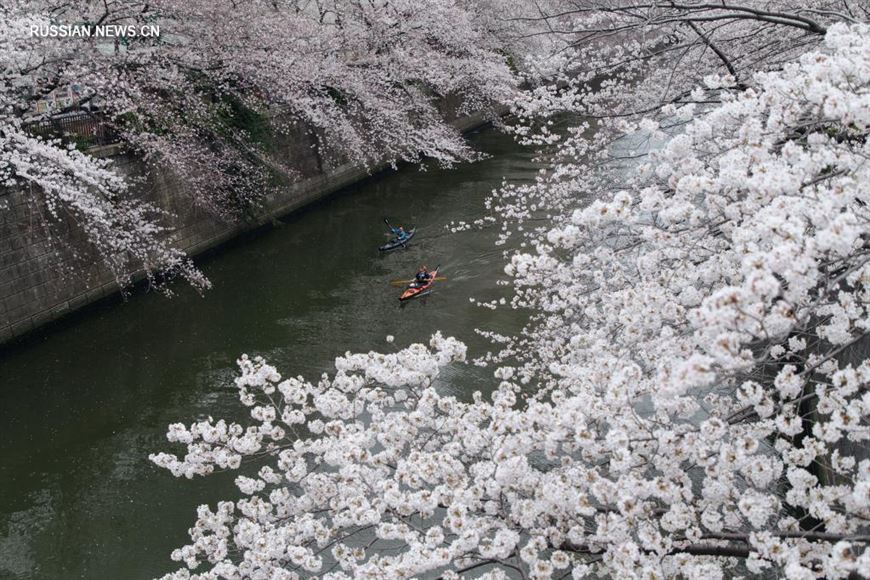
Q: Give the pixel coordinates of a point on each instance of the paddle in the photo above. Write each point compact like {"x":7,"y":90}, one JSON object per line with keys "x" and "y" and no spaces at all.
{"x":403,"y":282}
{"x":388,"y":225}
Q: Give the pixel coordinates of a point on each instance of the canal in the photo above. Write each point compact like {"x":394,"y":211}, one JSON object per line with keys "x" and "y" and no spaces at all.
{"x":84,"y":403}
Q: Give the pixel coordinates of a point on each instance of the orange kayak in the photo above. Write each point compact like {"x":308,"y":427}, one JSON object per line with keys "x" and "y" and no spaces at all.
{"x":414,"y":289}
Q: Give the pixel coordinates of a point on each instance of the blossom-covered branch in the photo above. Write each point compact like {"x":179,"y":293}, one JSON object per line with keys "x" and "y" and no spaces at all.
{"x":364,"y":79}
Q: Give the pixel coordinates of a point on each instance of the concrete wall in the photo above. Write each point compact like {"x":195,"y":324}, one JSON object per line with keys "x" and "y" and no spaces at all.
{"x":45,"y":274}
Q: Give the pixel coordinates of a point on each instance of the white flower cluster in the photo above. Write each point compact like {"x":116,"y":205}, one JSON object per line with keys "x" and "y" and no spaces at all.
{"x":709,"y":318}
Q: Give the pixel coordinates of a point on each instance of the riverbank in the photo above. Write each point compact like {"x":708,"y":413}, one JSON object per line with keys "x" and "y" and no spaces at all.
{"x":41,"y":284}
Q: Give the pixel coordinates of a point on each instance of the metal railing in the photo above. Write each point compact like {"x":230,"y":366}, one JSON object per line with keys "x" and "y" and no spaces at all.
{"x":79,"y":125}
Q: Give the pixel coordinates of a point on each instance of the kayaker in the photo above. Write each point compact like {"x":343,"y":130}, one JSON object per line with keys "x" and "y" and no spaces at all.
{"x":400,"y":233}
{"x":423,"y":275}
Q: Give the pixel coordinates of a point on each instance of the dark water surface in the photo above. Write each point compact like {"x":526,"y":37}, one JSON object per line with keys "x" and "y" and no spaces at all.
{"x":83,"y":404}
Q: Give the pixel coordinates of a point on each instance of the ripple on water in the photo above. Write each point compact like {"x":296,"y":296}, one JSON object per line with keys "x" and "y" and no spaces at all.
{"x":17,"y":552}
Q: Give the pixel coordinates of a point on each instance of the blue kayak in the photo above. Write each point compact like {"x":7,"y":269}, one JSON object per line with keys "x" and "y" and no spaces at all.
{"x":396,"y":243}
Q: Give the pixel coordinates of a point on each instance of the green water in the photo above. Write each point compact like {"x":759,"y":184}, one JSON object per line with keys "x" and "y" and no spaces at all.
{"x":84,"y":403}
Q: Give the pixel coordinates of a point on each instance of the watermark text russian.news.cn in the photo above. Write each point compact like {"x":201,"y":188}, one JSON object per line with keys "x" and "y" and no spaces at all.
{"x":94,"y":31}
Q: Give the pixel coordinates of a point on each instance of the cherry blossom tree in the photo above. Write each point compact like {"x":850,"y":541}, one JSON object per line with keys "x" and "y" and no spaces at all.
{"x":688,"y":397}
{"x":366,"y":79}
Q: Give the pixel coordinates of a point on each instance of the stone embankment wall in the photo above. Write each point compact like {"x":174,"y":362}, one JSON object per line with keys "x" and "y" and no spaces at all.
{"x":41,"y":282}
